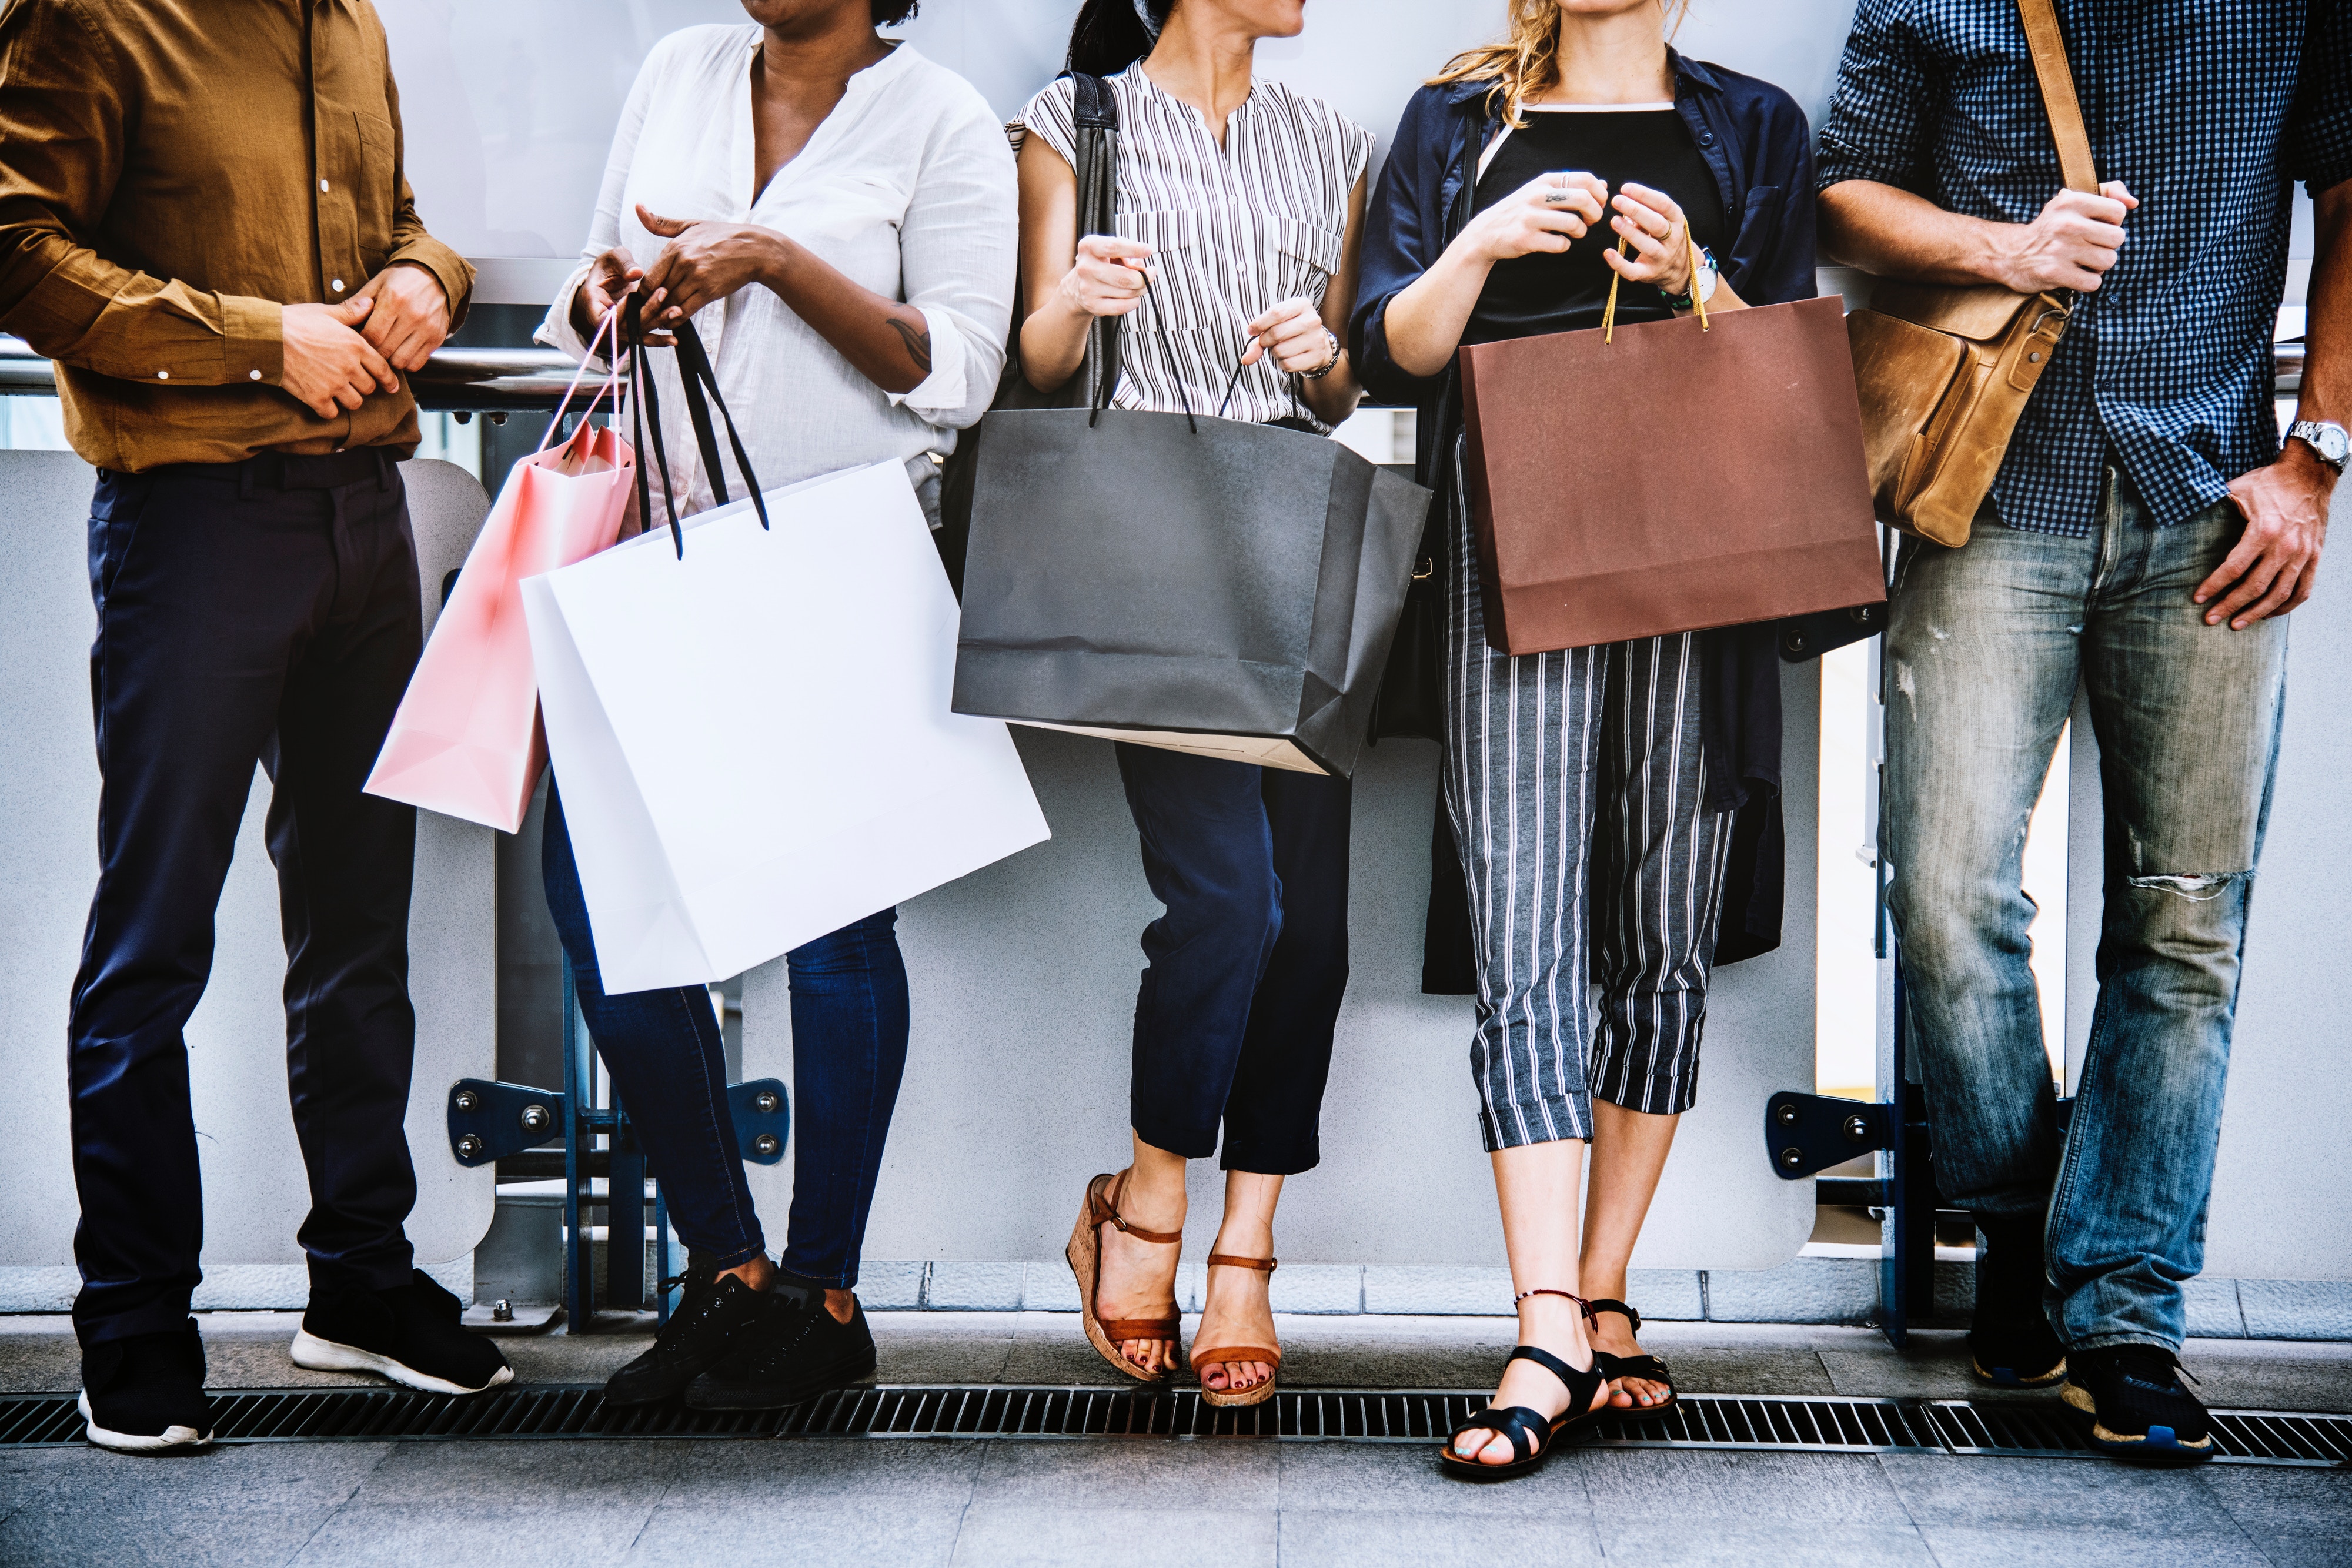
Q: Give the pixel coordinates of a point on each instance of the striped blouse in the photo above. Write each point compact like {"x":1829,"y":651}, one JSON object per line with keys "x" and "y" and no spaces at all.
{"x":1236,"y":230}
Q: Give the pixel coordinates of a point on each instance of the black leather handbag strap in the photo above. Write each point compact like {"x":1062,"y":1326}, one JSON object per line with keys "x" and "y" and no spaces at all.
{"x":1094,"y":109}
{"x":701,"y":385}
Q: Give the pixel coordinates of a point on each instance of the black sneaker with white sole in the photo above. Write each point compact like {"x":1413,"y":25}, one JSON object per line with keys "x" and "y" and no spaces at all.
{"x":2137,"y":1407}
{"x":410,"y":1334}
{"x":2010,"y":1341}
{"x":711,"y":1317}
{"x":145,"y":1395}
{"x":795,"y":1352}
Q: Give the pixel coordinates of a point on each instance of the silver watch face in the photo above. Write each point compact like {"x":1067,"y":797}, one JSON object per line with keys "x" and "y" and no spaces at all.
{"x":2328,"y":440}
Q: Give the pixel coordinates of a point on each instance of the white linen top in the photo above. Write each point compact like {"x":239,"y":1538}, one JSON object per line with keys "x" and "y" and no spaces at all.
{"x":907,"y":187}
{"x":1236,"y":230}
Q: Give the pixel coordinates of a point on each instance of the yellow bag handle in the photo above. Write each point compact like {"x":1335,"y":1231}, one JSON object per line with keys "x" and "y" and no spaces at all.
{"x":1609,"y":317}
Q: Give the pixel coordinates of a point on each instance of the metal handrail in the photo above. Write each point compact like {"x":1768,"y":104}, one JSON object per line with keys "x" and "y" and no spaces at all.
{"x":532,"y":380}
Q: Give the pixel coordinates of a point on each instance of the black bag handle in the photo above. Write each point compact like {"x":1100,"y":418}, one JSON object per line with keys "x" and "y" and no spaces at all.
{"x":1094,"y":106}
{"x":696,"y":377}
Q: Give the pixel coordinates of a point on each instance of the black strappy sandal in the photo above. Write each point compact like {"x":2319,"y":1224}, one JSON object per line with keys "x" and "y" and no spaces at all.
{"x":1648,"y":1368}
{"x":1531,"y":1434}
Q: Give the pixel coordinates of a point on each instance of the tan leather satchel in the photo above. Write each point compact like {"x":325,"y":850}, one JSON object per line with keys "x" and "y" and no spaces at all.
{"x":1944,"y":372}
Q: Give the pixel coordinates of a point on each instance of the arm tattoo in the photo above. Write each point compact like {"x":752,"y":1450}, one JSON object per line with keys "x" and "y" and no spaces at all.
{"x":918,"y":342}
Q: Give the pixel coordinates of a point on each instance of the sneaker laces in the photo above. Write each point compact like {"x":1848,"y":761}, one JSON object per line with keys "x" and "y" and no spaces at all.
{"x":2153,"y":1362}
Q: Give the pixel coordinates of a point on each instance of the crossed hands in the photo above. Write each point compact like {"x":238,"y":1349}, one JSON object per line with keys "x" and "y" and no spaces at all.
{"x":336,"y":355}
{"x":1551,"y":212}
{"x":703,"y":264}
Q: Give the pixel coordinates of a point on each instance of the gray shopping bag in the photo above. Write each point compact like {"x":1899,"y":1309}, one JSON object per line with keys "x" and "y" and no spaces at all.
{"x":1196,"y":583}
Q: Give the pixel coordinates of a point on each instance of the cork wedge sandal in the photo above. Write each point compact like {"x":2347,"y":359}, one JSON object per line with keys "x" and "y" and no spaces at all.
{"x":1085,"y":1255}
{"x":1256,"y":1393}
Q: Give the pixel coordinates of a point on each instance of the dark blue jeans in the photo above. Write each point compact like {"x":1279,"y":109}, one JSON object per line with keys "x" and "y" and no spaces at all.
{"x":260,"y":609}
{"x":664,"y":1051}
{"x":1247,"y":968}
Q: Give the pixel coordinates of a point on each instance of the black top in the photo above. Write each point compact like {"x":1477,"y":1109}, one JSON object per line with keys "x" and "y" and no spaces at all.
{"x":1528,"y":295}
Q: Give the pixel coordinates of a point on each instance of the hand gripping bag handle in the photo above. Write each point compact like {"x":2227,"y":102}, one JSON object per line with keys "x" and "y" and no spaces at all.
{"x":695,"y":375}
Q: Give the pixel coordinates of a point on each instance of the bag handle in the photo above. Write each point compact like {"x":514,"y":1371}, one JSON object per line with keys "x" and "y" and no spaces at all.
{"x":2048,"y":44}
{"x":1094,"y":105}
{"x":609,"y":325}
{"x":1624,"y":247}
{"x":693,"y":374}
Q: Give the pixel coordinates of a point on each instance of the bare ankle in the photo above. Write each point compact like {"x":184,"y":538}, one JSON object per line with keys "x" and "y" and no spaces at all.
{"x":755,"y":1271}
{"x":841,"y":1305}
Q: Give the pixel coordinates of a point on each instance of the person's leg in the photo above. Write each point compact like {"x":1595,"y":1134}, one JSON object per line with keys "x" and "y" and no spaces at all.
{"x":201,"y":591}
{"x":2188,"y":722}
{"x":669,"y":1064}
{"x":1276,"y":1100}
{"x":1208,"y":854}
{"x":850,"y":1022}
{"x":344,"y":865}
{"x":1521,"y":754}
{"x":1657,"y":877}
{"x":1982,"y":656}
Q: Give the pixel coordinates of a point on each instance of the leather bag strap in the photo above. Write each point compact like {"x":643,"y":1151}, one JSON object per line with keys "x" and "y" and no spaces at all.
{"x":2048,"y":43}
{"x":1094,"y":107}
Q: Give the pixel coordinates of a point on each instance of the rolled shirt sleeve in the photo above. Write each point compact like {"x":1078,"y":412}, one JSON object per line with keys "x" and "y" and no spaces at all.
{"x":1875,"y":130}
{"x":2319,"y":134}
{"x":958,"y":247}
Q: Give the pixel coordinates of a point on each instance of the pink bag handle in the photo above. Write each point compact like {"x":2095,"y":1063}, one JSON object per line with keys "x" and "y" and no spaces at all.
{"x":607,"y":325}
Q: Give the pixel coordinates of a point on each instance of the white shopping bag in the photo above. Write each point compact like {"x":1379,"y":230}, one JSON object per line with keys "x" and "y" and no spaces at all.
{"x":752,"y":737}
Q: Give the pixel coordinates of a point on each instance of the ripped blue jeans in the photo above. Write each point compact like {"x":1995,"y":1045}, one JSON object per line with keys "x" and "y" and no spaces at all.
{"x":1985,"y":646}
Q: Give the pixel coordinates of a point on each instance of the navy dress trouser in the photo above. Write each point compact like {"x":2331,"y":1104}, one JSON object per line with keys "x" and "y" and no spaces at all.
{"x":1234,"y":1016}
{"x":261,"y":610}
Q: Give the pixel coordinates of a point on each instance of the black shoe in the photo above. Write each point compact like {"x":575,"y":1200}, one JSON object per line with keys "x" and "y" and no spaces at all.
{"x":710,"y":1316}
{"x":145,"y":1395}
{"x":2010,"y":1341}
{"x":410,"y":1334}
{"x":794,"y":1351}
{"x":2137,"y":1407}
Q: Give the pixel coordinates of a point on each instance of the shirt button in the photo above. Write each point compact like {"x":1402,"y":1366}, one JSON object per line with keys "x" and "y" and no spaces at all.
{"x":253,"y":375}
{"x":163,"y":375}
{"x":323,"y":185}
{"x":337,"y":285}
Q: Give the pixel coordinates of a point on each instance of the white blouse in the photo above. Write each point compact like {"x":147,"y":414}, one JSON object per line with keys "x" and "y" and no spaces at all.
{"x":907,"y":187}
{"x":1236,"y":230}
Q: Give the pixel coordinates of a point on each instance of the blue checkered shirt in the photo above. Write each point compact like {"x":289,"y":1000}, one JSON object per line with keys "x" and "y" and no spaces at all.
{"x":2209,"y":110}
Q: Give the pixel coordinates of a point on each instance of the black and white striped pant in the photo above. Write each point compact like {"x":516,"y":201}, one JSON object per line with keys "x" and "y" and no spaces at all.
{"x":1576,"y":785}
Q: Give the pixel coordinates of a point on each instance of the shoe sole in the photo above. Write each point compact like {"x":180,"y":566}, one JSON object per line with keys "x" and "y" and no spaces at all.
{"x":2148,"y":1449}
{"x":2010,"y":1380}
{"x":784,"y":1398}
{"x":171,"y":1441}
{"x":325,"y":1356}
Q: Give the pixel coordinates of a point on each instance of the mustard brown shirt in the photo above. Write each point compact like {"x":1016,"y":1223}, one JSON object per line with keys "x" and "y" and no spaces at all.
{"x":173,"y":174}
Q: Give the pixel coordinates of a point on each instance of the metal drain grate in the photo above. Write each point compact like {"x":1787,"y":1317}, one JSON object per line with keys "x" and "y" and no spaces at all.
{"x":2239,"y":1437}
{"x":1851,"y":1425}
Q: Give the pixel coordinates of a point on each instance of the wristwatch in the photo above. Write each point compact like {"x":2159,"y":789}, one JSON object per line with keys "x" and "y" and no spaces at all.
{"x":1702,"y":283}
{"x":1328,"y":366}
{"x":2326,"y":438}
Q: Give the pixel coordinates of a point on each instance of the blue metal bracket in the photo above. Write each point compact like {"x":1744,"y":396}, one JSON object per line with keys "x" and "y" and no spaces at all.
{"x":1809,"y":1132}
{"x":490,"y":1120}
{"x":764,"y":1119}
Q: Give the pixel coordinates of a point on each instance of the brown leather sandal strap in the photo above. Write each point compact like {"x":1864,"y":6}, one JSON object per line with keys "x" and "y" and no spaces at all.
{"x":1236,"y":1352}
{"x":1102,"y":1208}
{"x":1116,"y":1329}
{"x":1263,"y":1265}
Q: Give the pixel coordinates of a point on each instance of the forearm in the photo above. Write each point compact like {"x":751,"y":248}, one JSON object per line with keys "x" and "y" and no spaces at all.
{"x":1334,"y":397}
{"x":85,"y":311}
{"x":1425,"y":321}
{"x":1054,"y":341}
{"x":2327,"y":318}
{"x":1890,"y":233}
{"x":887,"y":340}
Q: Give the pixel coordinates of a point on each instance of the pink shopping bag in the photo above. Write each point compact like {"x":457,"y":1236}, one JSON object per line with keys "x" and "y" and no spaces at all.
{"x":467,"y":741}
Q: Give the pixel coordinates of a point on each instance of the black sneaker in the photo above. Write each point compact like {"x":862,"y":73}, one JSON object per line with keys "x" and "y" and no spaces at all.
{"x":2010,"y":1341}
{"x":145,"y":1395}
{"x":709,"y":1316}
{"x":2137,"y":1407}
{"x":794,"y":1351}
{"x":410,"y":1334}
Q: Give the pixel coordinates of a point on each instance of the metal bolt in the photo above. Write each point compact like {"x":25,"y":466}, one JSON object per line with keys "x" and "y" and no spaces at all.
{"x":1857,"y":1127}
{"x":1786,"y":1115}
{"x":466,"y":1100}
{"x":469,"y":1148}
{"x":766,"y":1145}
{"x":502,"y":1311}
{"x":536,"y":1119}
{"x":1792,"y":1158}
{"x":766,"y":1102}
{"x":498,"y":416}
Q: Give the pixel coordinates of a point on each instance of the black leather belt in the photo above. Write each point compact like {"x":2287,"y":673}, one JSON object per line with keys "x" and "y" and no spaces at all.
{"x":291,"y":471}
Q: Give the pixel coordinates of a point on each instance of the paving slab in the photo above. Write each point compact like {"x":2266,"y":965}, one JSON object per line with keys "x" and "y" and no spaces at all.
{"x":787,"y":1532}
{"x":1696,"y":1485}
{"x":1313,"y":1539}
{"x":1204,"y":1530}
{"x":1972,"y":1546}
{"x":2058,"y":1494}
{"x":230,"y":1506}
{"x":1683,"y":1543}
